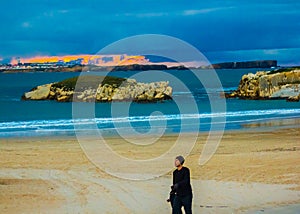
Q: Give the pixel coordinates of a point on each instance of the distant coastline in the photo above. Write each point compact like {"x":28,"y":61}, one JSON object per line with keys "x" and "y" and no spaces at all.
{"x":42,"y":67}
{"x":246,"y":64}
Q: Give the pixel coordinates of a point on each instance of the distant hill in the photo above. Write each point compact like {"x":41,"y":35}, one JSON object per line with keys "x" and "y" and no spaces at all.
{"x":246,"y":64}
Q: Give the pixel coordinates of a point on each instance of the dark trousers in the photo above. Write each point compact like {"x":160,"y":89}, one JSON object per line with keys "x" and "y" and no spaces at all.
{"x":179,"y":201}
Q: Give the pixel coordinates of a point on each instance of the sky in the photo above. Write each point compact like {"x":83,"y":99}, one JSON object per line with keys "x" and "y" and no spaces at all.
{"x":233,"y":30}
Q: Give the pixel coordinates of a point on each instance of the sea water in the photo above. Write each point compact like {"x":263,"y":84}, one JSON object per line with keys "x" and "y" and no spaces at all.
{"x":189,"y":111}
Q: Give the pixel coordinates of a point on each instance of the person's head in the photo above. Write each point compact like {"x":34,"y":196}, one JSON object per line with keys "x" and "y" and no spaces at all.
{"x":179,"y":160}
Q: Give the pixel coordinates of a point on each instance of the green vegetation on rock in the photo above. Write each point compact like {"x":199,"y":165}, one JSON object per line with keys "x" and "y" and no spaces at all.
{"x":88,"y":82}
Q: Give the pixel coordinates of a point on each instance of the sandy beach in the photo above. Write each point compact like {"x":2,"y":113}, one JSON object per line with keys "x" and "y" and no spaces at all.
{"x":252,"y":171}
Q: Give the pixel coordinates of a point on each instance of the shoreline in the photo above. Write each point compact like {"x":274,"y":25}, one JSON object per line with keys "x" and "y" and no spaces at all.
{"x":256,"y":126}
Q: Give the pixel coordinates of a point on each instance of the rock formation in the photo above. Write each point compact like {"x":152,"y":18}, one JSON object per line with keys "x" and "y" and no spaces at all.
{"x":39,"y":93}
{"x":281,"y":84}
{"x":127,"y":90}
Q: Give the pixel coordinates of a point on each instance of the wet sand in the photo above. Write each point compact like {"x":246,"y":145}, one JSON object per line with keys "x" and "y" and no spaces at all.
{"x":249,"y":171}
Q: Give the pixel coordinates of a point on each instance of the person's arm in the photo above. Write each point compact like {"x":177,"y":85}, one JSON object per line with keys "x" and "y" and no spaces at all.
{"x":173,"y":177}
{"x":173,"y":188}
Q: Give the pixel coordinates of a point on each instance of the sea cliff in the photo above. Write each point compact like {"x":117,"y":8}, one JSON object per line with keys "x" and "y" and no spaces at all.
{"x":280,"y":84}
{"x":246,"y":64}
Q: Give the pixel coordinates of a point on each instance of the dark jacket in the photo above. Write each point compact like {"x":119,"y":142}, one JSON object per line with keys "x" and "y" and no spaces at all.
{"x":182,"y":179}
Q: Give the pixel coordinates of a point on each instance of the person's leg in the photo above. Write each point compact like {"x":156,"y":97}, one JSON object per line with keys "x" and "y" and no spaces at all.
{"x":187,"y":203}
{"x":177,"y":204}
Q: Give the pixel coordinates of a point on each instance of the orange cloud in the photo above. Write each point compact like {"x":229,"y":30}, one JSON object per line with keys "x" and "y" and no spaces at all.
{"x":13,"y":61}
{"x":103,"y":60}
{"x":100,"y":60}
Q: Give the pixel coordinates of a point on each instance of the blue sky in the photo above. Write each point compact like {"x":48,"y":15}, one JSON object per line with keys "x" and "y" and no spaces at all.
{"x":223,"y":30}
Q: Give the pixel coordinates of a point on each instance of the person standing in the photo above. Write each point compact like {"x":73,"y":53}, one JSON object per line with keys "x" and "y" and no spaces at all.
{"x":181,"y":188}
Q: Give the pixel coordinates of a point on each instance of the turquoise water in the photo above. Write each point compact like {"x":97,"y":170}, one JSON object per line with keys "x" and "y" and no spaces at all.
{"x":191,"y":105}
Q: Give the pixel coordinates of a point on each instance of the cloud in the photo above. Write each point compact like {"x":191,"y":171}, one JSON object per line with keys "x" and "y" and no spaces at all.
{"x":52,"y":13}
{"x":147,"y":15}
{"x":271,"y":52}
{"x":26,"y":24}
{"x":204,"y":11}
{"x":63,"y":11}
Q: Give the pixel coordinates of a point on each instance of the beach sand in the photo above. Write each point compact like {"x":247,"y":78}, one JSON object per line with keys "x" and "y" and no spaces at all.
{"x":251,"y":171}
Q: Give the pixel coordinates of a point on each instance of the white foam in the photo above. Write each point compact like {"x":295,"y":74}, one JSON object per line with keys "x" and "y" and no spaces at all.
{"x":69,"y":123}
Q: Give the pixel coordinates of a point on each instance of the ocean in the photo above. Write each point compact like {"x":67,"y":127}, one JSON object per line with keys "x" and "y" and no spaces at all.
{"x":190,"y":110}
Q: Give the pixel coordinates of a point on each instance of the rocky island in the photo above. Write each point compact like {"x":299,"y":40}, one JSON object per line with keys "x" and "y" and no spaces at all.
{"x":101,"y":89}
{"x":277,"y":84}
